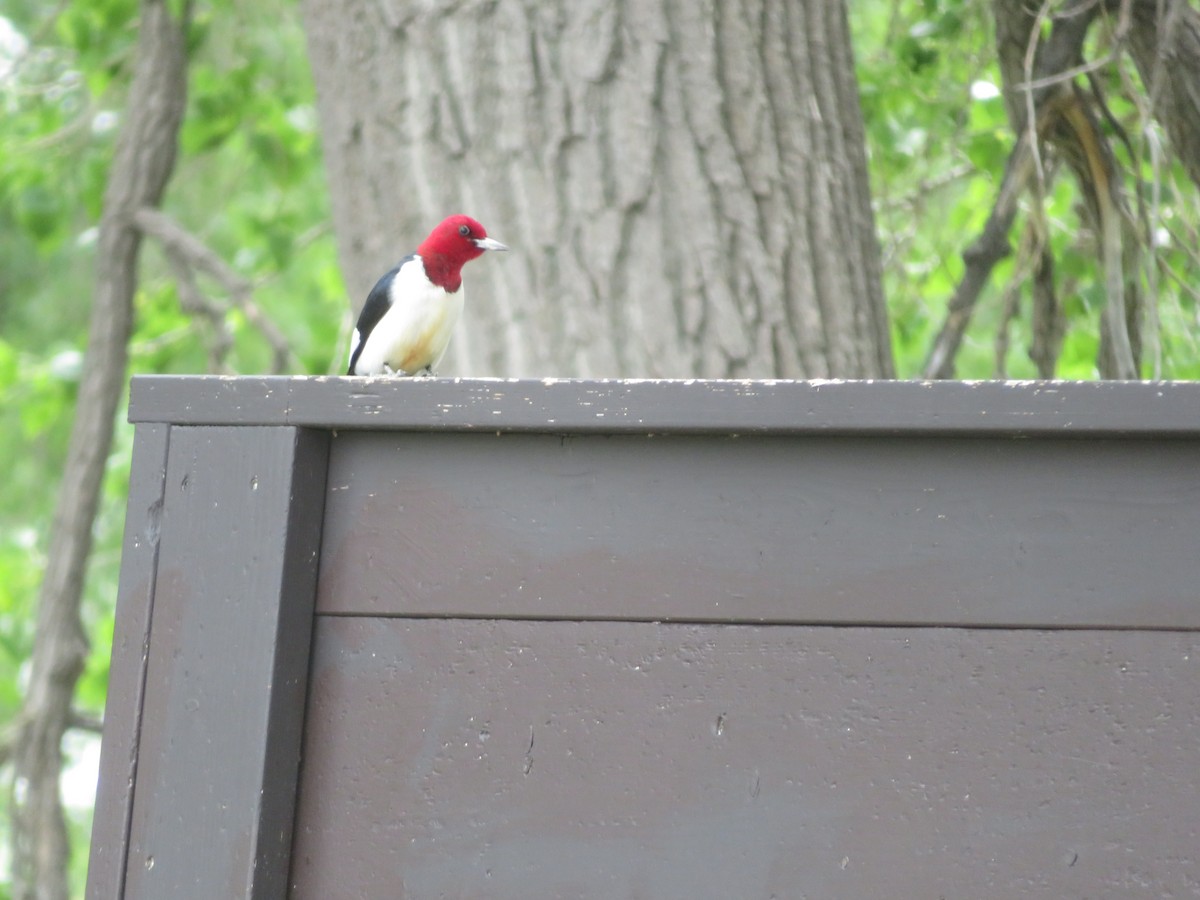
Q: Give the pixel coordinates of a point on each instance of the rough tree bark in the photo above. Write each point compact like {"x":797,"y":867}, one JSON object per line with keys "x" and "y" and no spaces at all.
{"x":145,"y":156}
{"x":684,"y":183}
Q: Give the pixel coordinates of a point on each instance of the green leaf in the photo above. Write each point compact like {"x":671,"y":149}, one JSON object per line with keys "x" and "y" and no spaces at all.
{"x":38,"y":210}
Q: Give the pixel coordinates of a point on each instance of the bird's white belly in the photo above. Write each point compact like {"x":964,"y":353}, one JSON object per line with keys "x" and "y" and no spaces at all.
{"x":414,"y":332}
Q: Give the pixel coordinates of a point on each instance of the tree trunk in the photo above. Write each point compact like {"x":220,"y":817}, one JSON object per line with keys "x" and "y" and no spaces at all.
{"x":1042,"y":74}
{"x":684,"y":184}
{"x":1164,"y":40}
{"x":145,"y":156}
{"x":1066,"y":119}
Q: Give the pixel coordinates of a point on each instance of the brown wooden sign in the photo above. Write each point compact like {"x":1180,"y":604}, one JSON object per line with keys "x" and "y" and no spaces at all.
{"x":486,"y":638}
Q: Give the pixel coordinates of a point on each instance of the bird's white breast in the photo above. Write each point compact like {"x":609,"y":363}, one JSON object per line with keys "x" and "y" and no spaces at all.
{"x":414,"y":332}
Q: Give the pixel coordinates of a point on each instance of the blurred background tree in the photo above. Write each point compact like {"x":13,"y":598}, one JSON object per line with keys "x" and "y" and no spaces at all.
{"x":242,"y":274}
{"x":941,"y":87}
{"x":248,"y":188}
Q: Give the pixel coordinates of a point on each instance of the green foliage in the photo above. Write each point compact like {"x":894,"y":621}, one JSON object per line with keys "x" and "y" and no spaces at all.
{"x":248,"y":182}
{"x":938,"y":139}
{"x":920,"y":142}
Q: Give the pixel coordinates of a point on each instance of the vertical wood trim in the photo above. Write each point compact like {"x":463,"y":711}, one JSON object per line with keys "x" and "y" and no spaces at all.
{"x":280,"y":774}
{"x":127,"y":673}
{"x":227,"y":663}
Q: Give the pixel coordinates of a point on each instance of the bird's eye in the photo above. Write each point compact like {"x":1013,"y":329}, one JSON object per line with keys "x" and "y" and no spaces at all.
{"x":464,"y":230}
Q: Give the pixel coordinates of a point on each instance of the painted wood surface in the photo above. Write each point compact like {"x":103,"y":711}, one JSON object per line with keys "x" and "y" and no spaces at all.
{"x":1147,"y":409}
{"x":797,"y":529}
{"x":127,"y":673}
{"x":451,"y":758}
{"x":655,"y":639}
{"x":227,"y":663}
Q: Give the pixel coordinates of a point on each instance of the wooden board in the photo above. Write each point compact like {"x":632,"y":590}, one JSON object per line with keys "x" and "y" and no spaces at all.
{"x":507,"y":759}
{"x":226,"y":674}
{"x":127,"y":674}
{"x":694,"y":406}
{"x":800,"y":529}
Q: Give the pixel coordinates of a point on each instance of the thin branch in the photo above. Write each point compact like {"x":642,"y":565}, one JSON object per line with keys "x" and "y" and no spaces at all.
{"x":195,"y":302}
{"x":75,"y":719}
{"x":1068,"y":75}
{"x":81,"y":721}
{"x":1064,"y":76}
{"x":923,"y":189}
{"x":1091,"y":157}
{"x":1048,"y":322}
{"x":1010,"y":309}
{"x":188,"y":254}
{"x":1030,"y":101}
{"x":1030,"y":254}
{"x":81,"y":124}
{"x":1149,"y":215}
{"x":980,"y":258}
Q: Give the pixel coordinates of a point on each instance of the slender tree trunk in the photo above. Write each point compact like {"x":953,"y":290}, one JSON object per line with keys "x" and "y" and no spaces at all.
{"x":1039,"y":86}
{"x":144,"y":158}
{"x":1163,"y":37}
{"x":683,"y":183}
{"x":1164,"y":40}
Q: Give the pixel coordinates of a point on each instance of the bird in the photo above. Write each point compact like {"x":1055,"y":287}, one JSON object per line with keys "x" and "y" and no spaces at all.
{"x":410,"y":314}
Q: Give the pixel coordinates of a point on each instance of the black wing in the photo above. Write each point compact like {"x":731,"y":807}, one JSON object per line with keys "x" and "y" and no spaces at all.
{"x":377,"y":305}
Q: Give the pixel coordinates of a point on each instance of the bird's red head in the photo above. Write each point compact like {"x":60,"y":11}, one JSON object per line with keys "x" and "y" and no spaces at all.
{"x":453,"y":243}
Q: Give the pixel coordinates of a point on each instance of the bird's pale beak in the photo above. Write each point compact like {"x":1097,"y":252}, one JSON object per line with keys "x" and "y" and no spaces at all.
{"x":489,"y":244}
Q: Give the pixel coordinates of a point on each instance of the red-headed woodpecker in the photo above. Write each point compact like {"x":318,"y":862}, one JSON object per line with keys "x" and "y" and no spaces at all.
{"x":411,"y":312}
